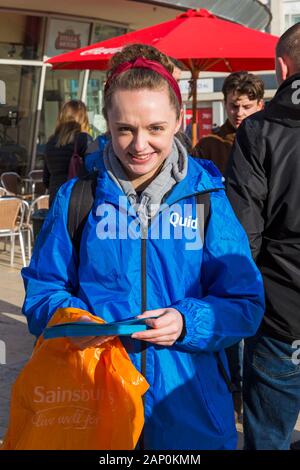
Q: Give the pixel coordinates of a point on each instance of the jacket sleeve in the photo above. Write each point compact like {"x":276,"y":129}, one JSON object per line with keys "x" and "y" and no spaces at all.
{"x":51,"y":278}
{"x":232,"y":302}
{"x":247,"y":183}
{"x":199,"y":150}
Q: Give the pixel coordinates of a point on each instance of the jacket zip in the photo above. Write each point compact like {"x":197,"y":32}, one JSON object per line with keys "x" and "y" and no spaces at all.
{"x":144,"y":297}
{"x":144,"y":308}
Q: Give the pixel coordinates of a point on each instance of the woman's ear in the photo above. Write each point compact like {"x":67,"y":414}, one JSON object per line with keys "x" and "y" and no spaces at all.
{"x":179,"y":121}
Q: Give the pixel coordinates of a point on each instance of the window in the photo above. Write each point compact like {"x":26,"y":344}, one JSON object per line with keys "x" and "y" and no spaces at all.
{"x":21,"y":36}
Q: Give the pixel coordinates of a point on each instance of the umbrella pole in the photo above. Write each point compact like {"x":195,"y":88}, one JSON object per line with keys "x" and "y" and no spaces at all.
{"x":195,"y":75}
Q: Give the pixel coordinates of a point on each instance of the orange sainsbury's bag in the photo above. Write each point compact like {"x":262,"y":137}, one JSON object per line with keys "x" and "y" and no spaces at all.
{"x":71,"y":399}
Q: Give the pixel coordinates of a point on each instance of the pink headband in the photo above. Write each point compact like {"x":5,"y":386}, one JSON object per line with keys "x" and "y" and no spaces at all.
{"x":143,"y":63}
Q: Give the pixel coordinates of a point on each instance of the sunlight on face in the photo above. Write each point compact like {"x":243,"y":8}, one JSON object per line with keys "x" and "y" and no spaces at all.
{"x":238,"y":107}
{"x":142,"y":125}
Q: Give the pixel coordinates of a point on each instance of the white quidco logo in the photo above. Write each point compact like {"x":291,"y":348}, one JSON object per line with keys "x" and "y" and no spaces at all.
{"x":177,"y":220}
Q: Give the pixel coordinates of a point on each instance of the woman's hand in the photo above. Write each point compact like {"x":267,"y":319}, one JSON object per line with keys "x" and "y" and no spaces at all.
{"x":83,"y":342}
{"x":166,"y":328}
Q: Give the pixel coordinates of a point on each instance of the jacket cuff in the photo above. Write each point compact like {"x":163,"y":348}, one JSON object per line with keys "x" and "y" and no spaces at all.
{"x":190,"y":338}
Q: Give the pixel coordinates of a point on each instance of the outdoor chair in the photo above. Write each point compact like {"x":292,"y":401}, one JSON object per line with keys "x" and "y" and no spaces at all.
{"x":11,"y":182}
{"x":3,"y":192}
{"x":11,"y":221}
{"x":36,"y":180}
{"x":42,"y":202}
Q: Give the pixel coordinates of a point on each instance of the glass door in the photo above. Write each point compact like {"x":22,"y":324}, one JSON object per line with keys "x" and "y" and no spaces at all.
{"x":18,"y":115}
{"x":60,"y":86}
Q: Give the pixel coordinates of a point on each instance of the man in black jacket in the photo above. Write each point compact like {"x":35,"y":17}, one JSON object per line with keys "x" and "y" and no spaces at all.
{"x":263,"y":183}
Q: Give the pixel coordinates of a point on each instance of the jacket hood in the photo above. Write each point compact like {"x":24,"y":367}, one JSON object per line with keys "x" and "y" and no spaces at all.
{"x":285,"y":106}
{"x":202,"y":176}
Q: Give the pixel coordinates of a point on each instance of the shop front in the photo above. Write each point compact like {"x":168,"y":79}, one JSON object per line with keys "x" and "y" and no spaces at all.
{"x":33,"y":93}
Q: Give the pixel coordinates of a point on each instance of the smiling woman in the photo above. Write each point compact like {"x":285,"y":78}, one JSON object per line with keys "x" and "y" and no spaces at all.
{"x":142,"y":125}
{"x":182,"y":290}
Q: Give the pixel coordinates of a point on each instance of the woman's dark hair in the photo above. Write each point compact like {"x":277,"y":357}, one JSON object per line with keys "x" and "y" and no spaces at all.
{"x":139,"y":78}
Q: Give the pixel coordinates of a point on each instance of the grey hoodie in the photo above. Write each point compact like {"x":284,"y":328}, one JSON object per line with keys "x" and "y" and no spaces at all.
{"x":147,"y":205}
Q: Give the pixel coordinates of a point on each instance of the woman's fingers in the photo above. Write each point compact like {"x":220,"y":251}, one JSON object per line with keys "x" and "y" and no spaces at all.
{"x":155,"y":333}
{"x":99,"y":341}
{"x":89,"y":341}
{"x":81,"y":342}
{"x":153,"y":313}
{"x":165,"y":328}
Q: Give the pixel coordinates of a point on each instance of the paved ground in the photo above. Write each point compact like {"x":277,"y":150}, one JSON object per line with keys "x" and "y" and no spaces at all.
{"x":13,"y":331}
{"x":18,"y":342}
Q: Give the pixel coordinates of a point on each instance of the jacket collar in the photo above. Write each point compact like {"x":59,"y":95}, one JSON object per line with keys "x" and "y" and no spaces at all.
{"x":202,"y":176}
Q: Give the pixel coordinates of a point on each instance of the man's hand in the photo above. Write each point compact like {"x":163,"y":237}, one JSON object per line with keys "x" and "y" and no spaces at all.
{"x":166,"y":328}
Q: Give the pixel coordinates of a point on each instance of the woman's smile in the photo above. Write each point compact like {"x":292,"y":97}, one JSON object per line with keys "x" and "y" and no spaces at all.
{"x":140,"y":159}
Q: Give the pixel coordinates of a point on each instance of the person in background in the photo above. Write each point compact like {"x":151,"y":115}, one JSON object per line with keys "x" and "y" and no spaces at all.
{"x":184,"y":293}
{"x":71,"y":133}
{"x":243,"y":95}
{"x":263,"y":188}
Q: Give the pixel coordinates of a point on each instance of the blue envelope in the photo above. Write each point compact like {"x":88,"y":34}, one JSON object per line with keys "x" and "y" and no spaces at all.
{"x":118,"y":328}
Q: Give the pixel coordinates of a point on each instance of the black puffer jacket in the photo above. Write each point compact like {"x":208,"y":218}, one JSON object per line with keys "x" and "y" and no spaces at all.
{"x":57,"y":161}
{"x":263,"y":184}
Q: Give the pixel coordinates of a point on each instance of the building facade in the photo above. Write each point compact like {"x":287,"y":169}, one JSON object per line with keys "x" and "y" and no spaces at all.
{"x":31,"y":93}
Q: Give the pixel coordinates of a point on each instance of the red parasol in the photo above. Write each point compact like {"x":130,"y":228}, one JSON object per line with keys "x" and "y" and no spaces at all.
{"x":199,"y":39}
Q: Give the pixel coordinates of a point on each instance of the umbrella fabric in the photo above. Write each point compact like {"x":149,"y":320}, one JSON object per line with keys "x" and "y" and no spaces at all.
{"x":199,"y":39}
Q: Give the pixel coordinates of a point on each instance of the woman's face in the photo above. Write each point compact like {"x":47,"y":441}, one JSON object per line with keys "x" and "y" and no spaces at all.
{"x":142,"y":125}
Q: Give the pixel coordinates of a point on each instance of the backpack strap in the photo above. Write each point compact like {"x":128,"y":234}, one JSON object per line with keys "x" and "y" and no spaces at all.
{"x":204,"y":199}
{"x":80,"y":205}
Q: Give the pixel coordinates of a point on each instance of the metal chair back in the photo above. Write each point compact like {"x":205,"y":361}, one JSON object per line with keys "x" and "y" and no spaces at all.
{"x":3,"y":192}
{"x":11,"y":181}
{"x":37,"y":185}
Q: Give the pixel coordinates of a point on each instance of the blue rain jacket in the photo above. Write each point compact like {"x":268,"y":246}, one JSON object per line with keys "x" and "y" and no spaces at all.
{"x":93,"y":160}
{"x":215,"y":286}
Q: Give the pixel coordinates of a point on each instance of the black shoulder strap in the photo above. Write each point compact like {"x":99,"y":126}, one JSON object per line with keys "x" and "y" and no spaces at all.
{"x":81,"y":202}
{"x":204,"y":199}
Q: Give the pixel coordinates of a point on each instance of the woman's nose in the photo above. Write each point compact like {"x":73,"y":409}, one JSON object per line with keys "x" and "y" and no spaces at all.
{"x":139,"y":142}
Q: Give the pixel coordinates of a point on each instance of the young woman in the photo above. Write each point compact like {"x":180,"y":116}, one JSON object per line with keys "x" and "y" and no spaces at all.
{"x":141,"y":254}
{"x":71,"y":133}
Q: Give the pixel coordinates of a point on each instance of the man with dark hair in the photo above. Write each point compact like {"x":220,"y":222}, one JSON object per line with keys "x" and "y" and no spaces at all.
{"x":264,"y":189}
{"x":243,"y":95}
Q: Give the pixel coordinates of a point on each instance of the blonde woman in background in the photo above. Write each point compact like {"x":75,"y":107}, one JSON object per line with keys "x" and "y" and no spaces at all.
{"x":71,"y":132}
